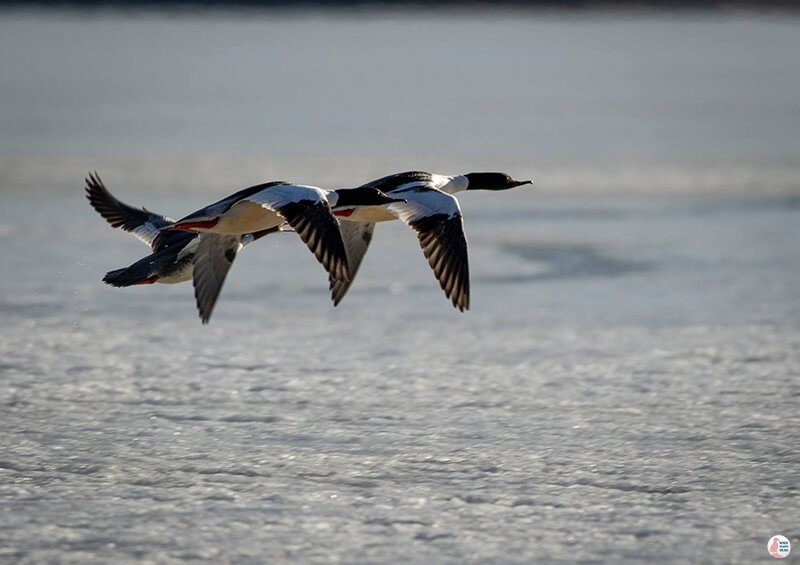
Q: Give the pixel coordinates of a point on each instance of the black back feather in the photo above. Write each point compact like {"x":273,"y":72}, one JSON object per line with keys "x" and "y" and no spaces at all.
{"x":390,"y":182}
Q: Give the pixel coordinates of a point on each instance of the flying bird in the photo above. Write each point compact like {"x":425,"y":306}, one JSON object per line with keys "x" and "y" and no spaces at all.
{"x":174,"y":253}
{"x":433,"y":212}
{"x":270,"y":206}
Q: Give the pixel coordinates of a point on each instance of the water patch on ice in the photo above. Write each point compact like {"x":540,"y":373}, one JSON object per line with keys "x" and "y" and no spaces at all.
{"x":566,"y":261}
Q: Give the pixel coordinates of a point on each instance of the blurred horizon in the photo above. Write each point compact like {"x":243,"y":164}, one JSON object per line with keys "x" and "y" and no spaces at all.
{"x":660,"y":102}
{"x":656,"y":102}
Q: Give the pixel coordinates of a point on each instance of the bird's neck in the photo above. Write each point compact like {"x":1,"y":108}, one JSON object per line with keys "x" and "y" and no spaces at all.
{"x":450,"y":185}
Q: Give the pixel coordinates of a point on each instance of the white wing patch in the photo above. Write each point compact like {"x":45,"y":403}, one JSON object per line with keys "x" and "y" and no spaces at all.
{"x":148,"y":232}
{"x":442,"y":183}
{"x":421,"y":203}
{"x":436,"y":217}
{"x":306,"y":209}
{"x":276,"y":197}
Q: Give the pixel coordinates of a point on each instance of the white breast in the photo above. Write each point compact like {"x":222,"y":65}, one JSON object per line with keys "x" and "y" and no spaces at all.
{"x":247,"y":217}
{"x":369,"y":214}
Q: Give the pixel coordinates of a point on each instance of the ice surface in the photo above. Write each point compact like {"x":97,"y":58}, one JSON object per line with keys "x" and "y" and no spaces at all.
{"x":608,"y":398}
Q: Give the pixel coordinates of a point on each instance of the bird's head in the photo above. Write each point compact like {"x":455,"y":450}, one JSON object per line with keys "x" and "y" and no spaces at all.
{"x":493,"y":181}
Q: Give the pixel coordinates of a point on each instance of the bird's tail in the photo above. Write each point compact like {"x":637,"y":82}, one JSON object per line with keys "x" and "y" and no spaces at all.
{"x":141,"y":272}
{"x":128,"y":277}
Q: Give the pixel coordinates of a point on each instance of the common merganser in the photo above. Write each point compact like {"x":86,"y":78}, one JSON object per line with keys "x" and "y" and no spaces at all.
{"x":270,"y":206}
{"x":174,"y":252}
{"x":433,"y":212}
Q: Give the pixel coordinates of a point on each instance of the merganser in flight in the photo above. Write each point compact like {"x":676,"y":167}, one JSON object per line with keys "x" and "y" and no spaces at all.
{"x":269,"y":206}
{"x":433,"y":212}
{"x":174,"y":252}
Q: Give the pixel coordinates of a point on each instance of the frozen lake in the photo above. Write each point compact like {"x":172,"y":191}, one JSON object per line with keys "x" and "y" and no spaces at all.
{"x":623,"y":390}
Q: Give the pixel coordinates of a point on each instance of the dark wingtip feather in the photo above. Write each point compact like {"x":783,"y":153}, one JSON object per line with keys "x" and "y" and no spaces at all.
{"x":95,"y":191}
{"x":356,"y":237}
{"x":445,"y":247}
{"x":204,"y":307}
{"x":338,"y":289}
{"x":204,"y":299}
{"x":315,"y":224}
{"x":116,"y":213}
{"x":103,"y":201}
{"x":215,"y":256}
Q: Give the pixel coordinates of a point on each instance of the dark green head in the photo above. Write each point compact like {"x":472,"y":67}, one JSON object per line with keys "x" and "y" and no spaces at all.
{"x":493,"y":181}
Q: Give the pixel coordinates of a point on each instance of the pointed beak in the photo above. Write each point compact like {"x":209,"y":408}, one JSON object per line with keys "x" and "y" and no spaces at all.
{"x":517,"y":183}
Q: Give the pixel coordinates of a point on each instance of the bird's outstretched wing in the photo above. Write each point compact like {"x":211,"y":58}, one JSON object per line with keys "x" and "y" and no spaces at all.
{"x":215,"y":255}
{"x":356,"y":237}
{"x":142,"y":223}
{"x":436,"y":217}
{"x":306,"y":209}
{"x":213,"y":259}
